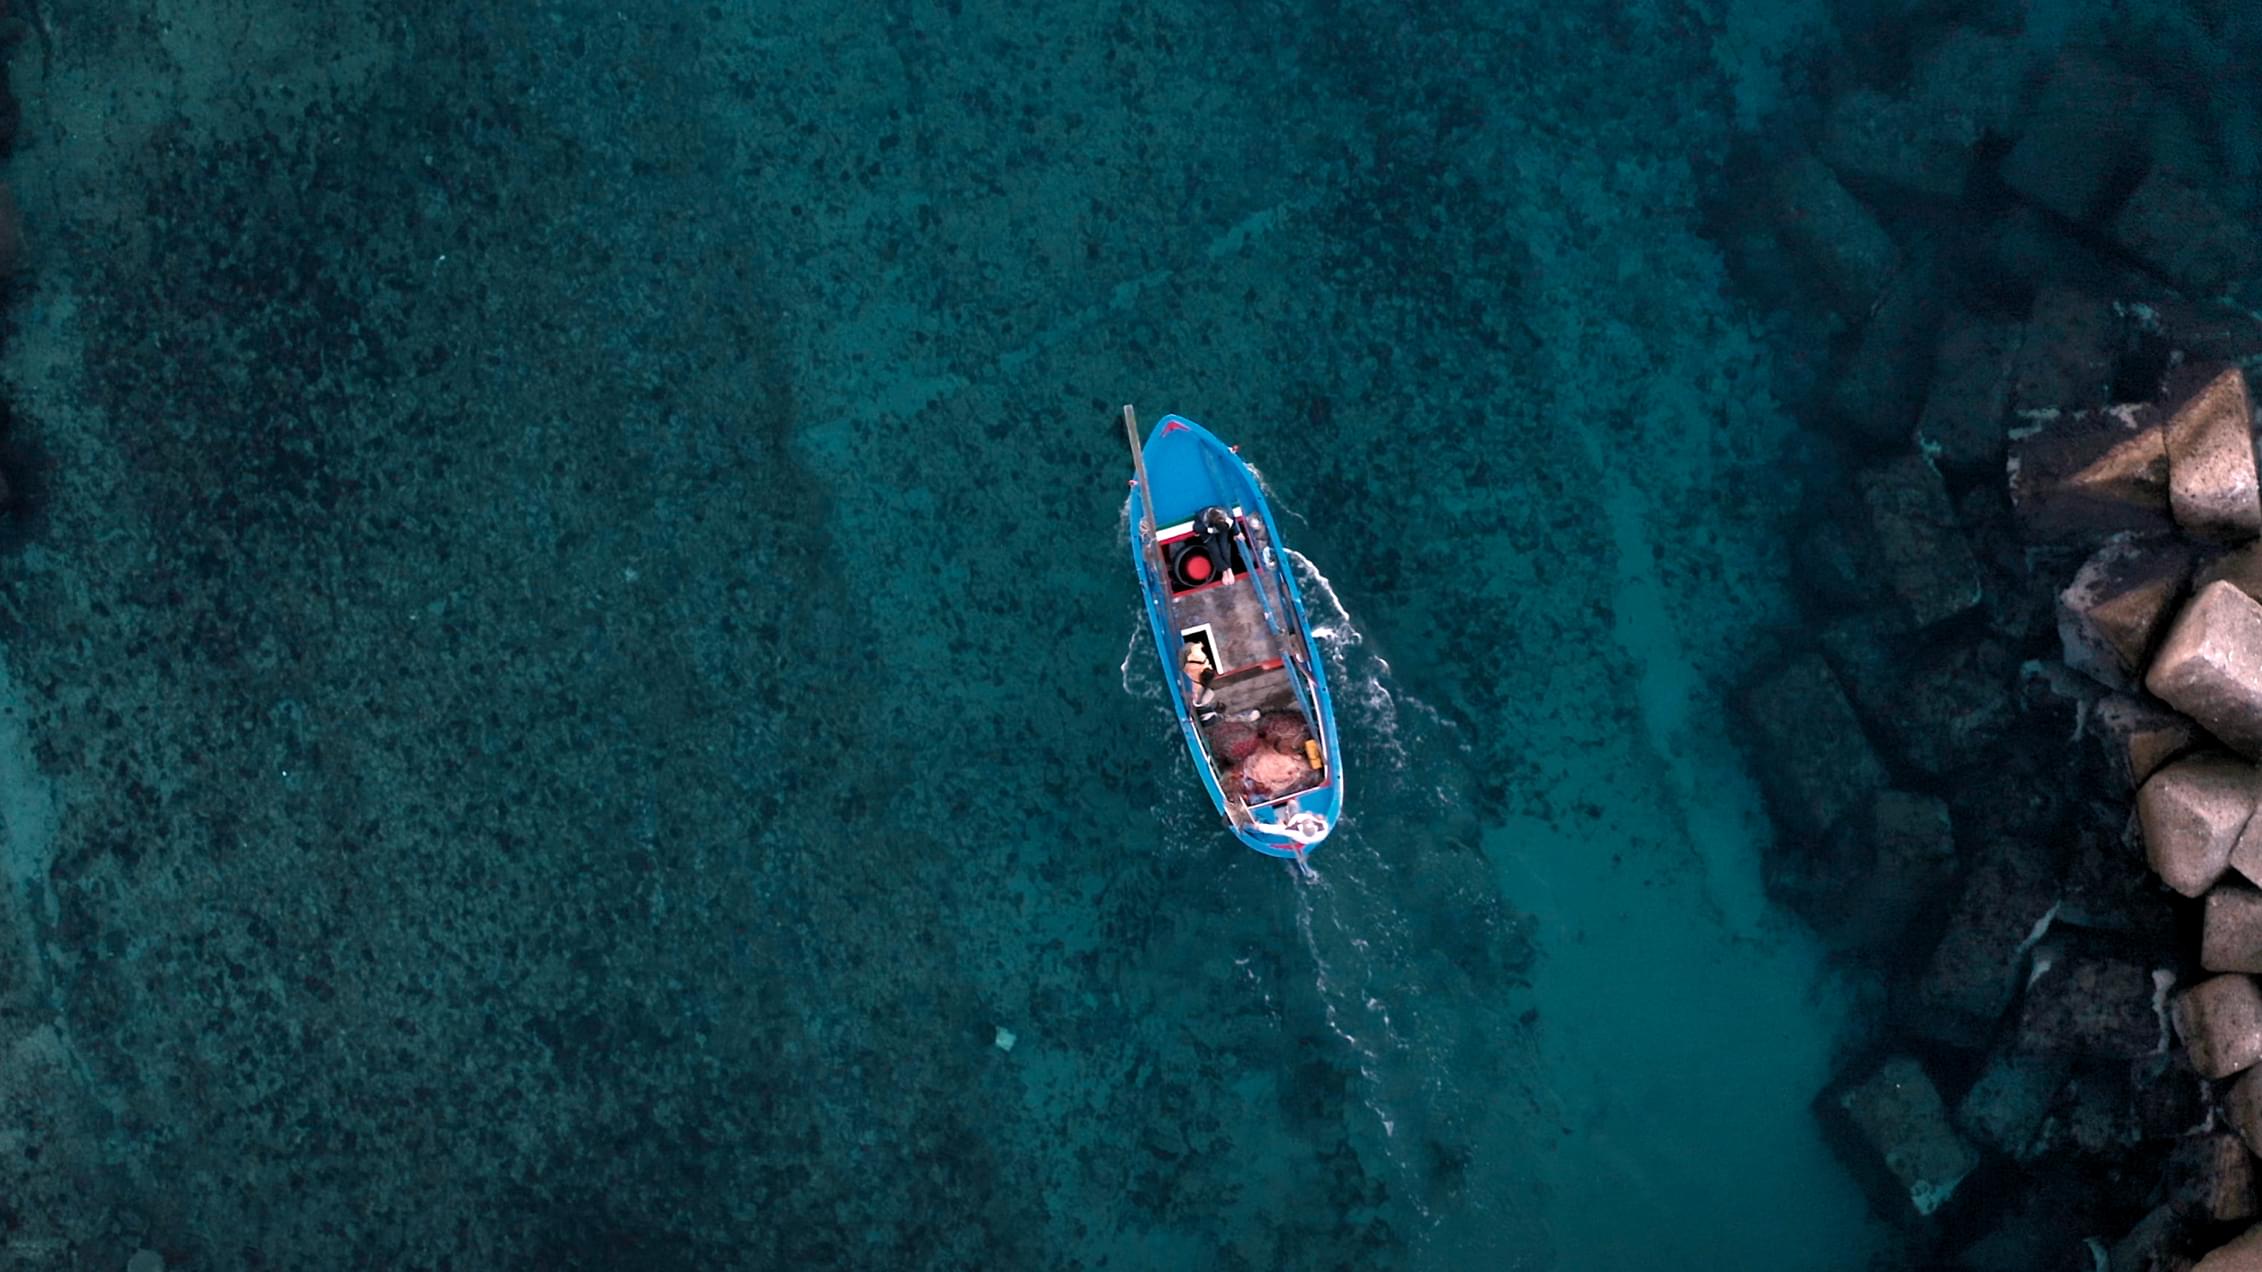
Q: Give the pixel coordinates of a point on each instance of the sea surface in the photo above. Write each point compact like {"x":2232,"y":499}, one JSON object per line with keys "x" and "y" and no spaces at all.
{"x":574,"y":696}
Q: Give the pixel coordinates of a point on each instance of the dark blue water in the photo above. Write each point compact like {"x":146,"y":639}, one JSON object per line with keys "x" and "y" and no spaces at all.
{"x":574,"y":696}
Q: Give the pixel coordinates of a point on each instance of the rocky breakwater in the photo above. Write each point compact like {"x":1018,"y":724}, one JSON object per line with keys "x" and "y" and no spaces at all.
{"x":2168,"y":625}
{"x":2011,"y":749}
{"x":2163,"y":621}
{"x":2033,"y":811}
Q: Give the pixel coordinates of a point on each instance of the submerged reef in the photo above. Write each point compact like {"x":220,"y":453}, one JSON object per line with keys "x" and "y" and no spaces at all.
{"x":2009,"y":746}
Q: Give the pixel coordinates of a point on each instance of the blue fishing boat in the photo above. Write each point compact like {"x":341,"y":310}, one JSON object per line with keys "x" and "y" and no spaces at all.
{"x":1245,"y":676}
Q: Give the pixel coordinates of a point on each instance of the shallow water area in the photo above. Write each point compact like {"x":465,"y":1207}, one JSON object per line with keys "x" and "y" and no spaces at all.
{"x":574,"y":697}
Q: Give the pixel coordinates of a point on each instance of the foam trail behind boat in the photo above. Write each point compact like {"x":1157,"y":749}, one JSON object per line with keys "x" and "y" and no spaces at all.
{"x":1449,"y":1102}
{"x":1379,"y":706}
{"x":1147,"y":687}
{"x":1444,"y":1104}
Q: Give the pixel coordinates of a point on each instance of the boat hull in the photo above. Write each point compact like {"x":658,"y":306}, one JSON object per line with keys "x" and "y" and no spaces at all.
{"x":1189,"y":471}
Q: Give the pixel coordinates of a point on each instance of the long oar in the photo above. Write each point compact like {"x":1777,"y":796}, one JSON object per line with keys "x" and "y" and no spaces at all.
{"x":1148,"y":549}
{"x":1139,"y":471}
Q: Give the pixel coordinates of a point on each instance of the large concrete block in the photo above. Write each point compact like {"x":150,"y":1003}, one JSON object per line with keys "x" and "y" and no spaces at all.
{"x":2231,"y":934}
{"x":1912,"y":853}
{"x":2025,"y":249}
{"x":2118,"y":605}
{"x":2093,"y":1005}
{"x":2211,"y":1180}
{"x":2005,"y":1107}
{"x":2015,"y":805}
{"x":2095,"y":1117}
{"x":1876,"y":390}
{"x":2082,"y":138}
{"x":2213,"y":489}
{"x":1937,"y":707}
{"x":1829,"y":231}
{"x":1834,"y":564}
{"x":2105,"y":886}
{"x":2020,"y":580}
{"x":1865,"y":651}
{"x":1901,"y":1119}
{"x":2211,"y":1174}
{"x":1972,"y":973}
{"x":2210,"y":666}
{"x":1813,"y":759}
{"x":1965,"y":425}
{"x":2073,"y":340}
{"x":1891,"y":144}
{"x":1956,"y":703}
{"x":2242,"y":1107}
{"x":2165,"y":1102}
{"x":2175,"y":223}
{"x":1864,"y":882}
{"x":2192,"y":813}
{"x":1927,"y":562}
{"x":2202,"y":331}
{"x":2084,"y":475}
{"x":2140,"y":735}
{"x":2220,"y":1022}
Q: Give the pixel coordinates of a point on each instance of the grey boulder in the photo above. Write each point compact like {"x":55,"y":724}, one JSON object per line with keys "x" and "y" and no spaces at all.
{"x":2231,"y":934}
{"x":2077,"y":475}
{"x":2209,"y":666}
{"x":2220,"y":1022}
{"x":2117,"y":606}
{"x":2139,"y":735}
{"x":1900,"y":1118}
{"x":2212,"y":486}
{"x":2192,"y":813}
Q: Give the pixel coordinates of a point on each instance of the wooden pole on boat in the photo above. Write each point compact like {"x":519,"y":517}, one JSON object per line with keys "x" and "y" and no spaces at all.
{"x":1139,"y":470}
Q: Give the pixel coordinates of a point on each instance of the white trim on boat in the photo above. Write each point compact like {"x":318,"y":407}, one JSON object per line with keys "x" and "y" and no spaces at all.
{"x":1186,"y":527}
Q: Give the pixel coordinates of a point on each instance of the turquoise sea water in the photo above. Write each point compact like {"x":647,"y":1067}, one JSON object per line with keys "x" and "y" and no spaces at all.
{"x":571,"y":673}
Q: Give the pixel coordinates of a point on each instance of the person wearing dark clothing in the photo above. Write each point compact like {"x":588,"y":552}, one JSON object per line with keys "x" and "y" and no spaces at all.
{"x":1215,"y":526}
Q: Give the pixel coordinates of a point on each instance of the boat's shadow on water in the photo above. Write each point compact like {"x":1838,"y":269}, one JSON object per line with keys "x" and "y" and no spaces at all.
{"x":1395,"y":969}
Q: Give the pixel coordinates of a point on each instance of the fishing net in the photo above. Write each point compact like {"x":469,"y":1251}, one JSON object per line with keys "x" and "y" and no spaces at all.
{"x":1234,"y":740}
{"x":1284,"y":731}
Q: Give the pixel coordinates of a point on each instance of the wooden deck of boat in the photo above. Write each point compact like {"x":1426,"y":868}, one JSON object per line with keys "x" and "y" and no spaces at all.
{"x":1251,"y":675}
{"x":1236,"y":621}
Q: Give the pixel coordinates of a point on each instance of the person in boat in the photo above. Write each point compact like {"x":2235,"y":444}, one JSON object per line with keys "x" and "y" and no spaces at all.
{"x":1199,"y":673}
{"x":1215,"y":526}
